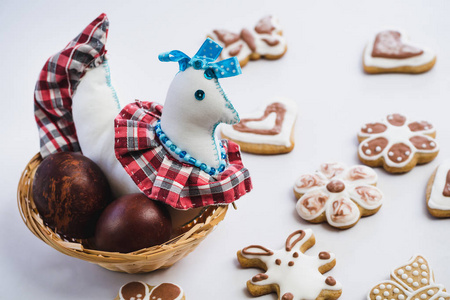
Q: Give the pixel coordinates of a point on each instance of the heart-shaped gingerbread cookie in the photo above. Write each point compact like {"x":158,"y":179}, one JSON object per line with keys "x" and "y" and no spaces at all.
{"x":269,"y":130}
{"x":391,"y":52}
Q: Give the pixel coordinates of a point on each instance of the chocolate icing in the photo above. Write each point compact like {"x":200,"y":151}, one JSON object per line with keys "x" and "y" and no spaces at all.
{"x":277,"y":108}
{"x":278,"y":261}
{"x":419,"y":126}
{"x":295,"y":255}
{"x":287,"y":296}
{"x":335,"y":186}
{"x":290,"y":245}
{"x":372,"y":145}
{"x":265,"y":25}
{"x":324,"y":255}
{"x":226,"y":37}
{"x":272,"y":42}
{"x":420,"y":141}
{"x":388,"y":44}
{"x":372,"y":128}
{"x":260,"y":277}
{"x":314,"y":203}
{"x":339,"y":207}
{"x":330,"y":281}
{"x":265,"y":250}
{"x":291,"y":263}
{"x":166,"y":291}
{"x":446,"y":191}
{"x":400,"y":152}
{"x":247,"y":36}
{"x":396,"y":119}
{"x":131,"y":289}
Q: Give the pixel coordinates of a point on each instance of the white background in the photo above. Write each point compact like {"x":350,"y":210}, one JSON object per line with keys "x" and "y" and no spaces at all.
{"x":321,"y":71}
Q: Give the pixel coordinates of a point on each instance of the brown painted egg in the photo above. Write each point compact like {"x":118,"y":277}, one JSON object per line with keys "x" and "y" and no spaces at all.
{"x":70,"y":191}
{"x":132,"y":222}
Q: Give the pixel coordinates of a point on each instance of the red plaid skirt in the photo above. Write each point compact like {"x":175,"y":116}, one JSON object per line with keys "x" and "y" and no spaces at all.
{"x":162,"y":177}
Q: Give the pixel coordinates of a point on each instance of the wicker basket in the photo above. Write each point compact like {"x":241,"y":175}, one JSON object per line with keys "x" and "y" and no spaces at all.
{"x":141,"y":261}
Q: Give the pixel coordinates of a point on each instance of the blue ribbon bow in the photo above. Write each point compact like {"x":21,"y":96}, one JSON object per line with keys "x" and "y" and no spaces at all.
{"x":204,"y":59}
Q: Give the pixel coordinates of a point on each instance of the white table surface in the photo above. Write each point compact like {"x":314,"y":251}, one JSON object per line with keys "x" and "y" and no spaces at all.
{"x":321,"y":71}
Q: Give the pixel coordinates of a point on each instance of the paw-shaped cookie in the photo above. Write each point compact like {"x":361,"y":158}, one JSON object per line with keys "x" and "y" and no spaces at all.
{"x":137,"y":290}
{"x":397,"y":144}
{"x":338,"y":195}
{"x":265,"y":41}
{"x":412,"y":281}
{"x":438,"y":191}
{"x":270,"y":130}
{"x":289,"y":272}
{"x":391,"y":52}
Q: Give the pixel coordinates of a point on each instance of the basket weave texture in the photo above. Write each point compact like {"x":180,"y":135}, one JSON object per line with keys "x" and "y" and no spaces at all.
{"x":141,"y":261}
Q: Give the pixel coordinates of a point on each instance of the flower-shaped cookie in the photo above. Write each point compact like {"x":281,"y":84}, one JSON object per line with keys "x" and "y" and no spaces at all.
{"x":289,"y":272}
{"x":338,"y":195}
{"x":397,"y":144}
{"x":412,"y":281}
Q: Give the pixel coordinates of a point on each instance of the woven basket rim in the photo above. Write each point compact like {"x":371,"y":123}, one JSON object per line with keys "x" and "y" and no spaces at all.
{"x":193,"y":233}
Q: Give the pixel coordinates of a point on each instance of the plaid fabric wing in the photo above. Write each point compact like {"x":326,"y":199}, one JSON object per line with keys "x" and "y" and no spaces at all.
{"x":163,"y":178}
{"x":57,"y":83}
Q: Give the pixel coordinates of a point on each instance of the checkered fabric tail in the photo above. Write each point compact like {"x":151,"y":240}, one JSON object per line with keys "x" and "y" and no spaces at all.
{"x":57,"y":83}
{"x":160,"y":176}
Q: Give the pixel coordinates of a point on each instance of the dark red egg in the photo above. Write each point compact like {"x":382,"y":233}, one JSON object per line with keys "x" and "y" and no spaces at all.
{"x":132,"y":222}
{"x":70,"y":191}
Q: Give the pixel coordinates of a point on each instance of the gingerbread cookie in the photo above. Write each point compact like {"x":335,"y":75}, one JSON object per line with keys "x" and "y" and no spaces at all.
{"x":397,"y":144}
{"x":270,"y":130}
{"x":438,"y":191}
{"x":338,"y":195}
{"x":412,"y":281}
{"x":138,"y":290}
{"x":289,"y":272}
{"x":264,"y":41}
{"x":391,"y":52}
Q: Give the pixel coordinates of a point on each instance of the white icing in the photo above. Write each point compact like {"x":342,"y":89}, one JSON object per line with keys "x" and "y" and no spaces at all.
{"x":262,"y":48}
{"x":281,"y":139}
{"x":353,"y":185}
{"x":303,"y":279}
{"x":437,"y":199}
{"x":388,"y":63}
{"x":395,"y":135}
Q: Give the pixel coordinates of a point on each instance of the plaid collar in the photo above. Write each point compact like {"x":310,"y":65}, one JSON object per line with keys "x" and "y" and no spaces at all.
{"x":160,"y":176}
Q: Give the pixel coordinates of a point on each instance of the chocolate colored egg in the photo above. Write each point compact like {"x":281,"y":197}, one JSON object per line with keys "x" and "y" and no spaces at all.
{"x":70,"y":191}
{"x":132,"y":222}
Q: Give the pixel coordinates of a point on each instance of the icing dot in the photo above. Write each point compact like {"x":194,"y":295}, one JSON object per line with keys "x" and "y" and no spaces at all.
{"x":399,"y":158}
{"x":409,"y":280}
{"x":424,"y":274}
{"x":378,"y":148}
{"x":416,"y":273}
{"x":424,"y":145}
{"x":139,"y":295}
{"x":430,"y":292}
{"x":400,"y":272}
{"x":408,"y":268}
{"x":378,"y":298}
{"x":390,"y":117}
{"x":432,"y":144}
{"x":391,"y":153}
{"x":416,"y":284}
{"x":423,"y":296}
{"x":376,"y":291}
{"x":369,"y":130}
{"x":404,"y":276}
{"x":382,"y":286}
{"x":290,"y":264}
{"x":401,"y":297}
{"x":389,"y":286}
{"x":386,"y":293}
{"x":415,"y":265}
{"x":420,"y":260}
{"x":366,"y":145}
{"x":368,"y":152}
{"x":423,"y":267}
{"x":396,"y":291}
{"x":407,"y":153}
{"x":424,"y":281}
{"x":441,"y":298}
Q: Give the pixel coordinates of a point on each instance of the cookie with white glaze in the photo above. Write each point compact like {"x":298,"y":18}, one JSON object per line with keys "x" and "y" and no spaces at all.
{"x":269,"y":130}
{"x":338,"y":194}
{"x":438,"y":191}
{"x":397,"y":144}
{"x":137,"y":290}
{"x":391,"y":52}
{"x":289,"y":272}
{"x":266,"y":40}
{"x":412,"y":281}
